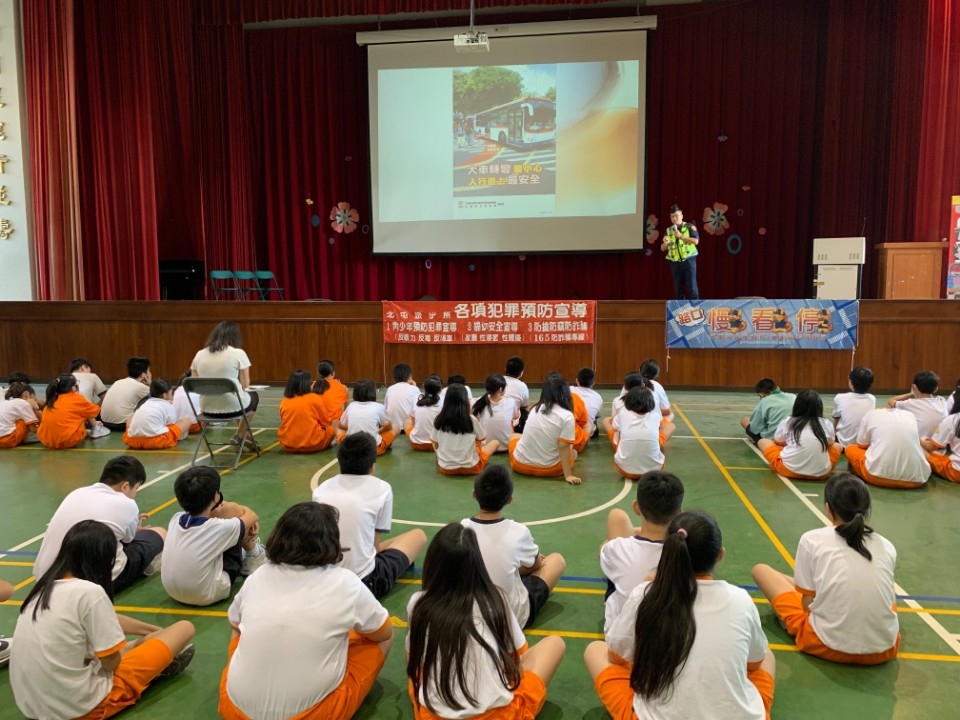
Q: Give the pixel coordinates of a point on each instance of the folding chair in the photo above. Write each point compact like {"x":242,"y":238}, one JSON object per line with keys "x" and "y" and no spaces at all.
{"x":223,"y":282}
{"x":269,"y":286}
{"x":218,"y":386}
{"x":247,"y":285}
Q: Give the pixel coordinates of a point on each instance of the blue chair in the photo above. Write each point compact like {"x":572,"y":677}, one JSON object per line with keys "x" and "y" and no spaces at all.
{"x":247,"y":284}
{"x":267,"y":283}
{"x":224,"y":282}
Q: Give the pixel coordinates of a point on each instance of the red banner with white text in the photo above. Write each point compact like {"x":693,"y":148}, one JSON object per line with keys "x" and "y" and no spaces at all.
{"x":557,"y":322}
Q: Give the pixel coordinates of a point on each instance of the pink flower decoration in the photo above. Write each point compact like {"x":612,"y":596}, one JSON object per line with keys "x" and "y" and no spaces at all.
{"x":344,"y":218}
{"x":715,"y":219}
{"x":652,"y":233}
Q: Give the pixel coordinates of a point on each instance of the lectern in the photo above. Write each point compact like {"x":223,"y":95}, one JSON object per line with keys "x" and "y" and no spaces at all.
{"x":911,"y":270}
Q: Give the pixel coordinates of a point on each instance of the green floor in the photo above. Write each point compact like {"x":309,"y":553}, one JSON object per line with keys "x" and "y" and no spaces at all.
{"x":761,"y":516}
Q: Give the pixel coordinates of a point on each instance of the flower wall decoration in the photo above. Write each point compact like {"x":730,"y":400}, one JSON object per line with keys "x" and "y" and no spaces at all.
{"x":344,"y":218}
{"x":653,"y":233}
{"x":715,"y":219}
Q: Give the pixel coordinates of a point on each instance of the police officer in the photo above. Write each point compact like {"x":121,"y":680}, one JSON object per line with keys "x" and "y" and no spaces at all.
{"x":680,"y":244}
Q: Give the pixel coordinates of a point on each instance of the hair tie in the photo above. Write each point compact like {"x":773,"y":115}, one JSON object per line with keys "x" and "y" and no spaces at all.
{"x":682,"y":532}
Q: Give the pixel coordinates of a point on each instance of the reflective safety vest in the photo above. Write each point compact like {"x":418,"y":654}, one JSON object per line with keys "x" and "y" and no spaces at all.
{"x":677,"y":250}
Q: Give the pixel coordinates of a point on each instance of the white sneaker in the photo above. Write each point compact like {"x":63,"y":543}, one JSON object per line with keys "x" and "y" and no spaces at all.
{"x":5,"y":644}
{"x":154,"y":567}
{"x":99,"y":431}
{"x":253,"y":559}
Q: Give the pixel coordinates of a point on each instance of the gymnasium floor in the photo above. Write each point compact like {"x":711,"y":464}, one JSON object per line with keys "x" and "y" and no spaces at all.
{"x":762,"y":518}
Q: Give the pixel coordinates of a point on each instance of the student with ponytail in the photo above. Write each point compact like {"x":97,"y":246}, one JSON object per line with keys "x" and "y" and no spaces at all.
{"x":840,"y":604}
{"x":804,"y":445}
{"x":497,"y":413}
{"x":460,"y":442}
{"x":685,"y":645}
{"x":67,"y":415}
{"x":306,"y":423}
{"x":19,"y":415}
{"x":424,"y":413}
{"x":154,"y":424}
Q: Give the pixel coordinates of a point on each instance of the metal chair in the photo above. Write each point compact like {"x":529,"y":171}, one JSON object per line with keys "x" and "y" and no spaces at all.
{"x":224,"y":282}
{"x":220,"y":387}
{"x":270,"y":284}
{"x":247,"y":285}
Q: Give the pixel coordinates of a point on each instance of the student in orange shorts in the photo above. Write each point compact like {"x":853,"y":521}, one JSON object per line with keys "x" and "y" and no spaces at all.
{"x":366,"y":415}
{"x":545,"y":449}
{"x":804,"y":445}
{"x":333,"y":392}
{"x":584,"y":429}
{"x":19,"y":415}
{"x":67,"y":415}
{"x":305,"y":419}
{"x":154,"y":424}
{"x":945,"y":438}
{"x":458,"y":437}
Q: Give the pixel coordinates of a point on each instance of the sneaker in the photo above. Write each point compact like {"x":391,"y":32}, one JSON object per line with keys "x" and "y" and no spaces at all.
{"x":5,"y":644}
{"x":99,"y":431}
{"x":154,"y":567}
{"x":250,"y":444}
{"x":253,"y":559}
{"x":179,"y":662}
{"x":31,"y":439}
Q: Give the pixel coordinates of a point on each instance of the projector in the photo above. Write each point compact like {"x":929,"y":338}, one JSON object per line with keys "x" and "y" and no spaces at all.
{"x":471,"y":42}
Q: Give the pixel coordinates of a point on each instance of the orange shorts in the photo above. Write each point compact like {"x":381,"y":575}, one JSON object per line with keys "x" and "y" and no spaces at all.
{"x":195,"y":428}
{"x":168,"y":440}
{"x":857,"y":460}
{"x":772,"y":454}
{"x":386,"y":440}
{"x":325,"y":439}
{"x":612,"y":437}
{"x":528,"y":700}
{"x":136,"y":671}
{"x":475,"y":470}
{"x":534,"y":470}
{"x":421,"y":446}
{"x":364,"y":662}
{"x":18,"y":435}
{"x":789,"y":606}
{"x":939,"y":462}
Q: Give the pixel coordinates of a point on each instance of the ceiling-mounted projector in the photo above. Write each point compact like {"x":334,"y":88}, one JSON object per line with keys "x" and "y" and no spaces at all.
{"x":471,"y":42}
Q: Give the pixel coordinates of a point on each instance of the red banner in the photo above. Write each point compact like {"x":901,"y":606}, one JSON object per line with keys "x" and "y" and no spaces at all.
{"x":467,"y":323}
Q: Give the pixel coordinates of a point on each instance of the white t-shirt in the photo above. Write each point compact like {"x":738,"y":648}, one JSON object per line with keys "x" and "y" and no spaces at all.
{"x":55,"y":671}
{"x":121,"y":399}
{"x":443,"y":394}
{"x":90,"y":386}
{"x":423,"y":417}
{"x":849,"y":408}
{"x":928,"y":411}
{"x":12,"y":410}
{"x":182,"y":405}
{"x":480,"y":671}
{"x":591,"y":400}
{"x":626,"y":562}
{"x":152,"y":418}
{"x":294,"y":624}
{"x":806,"y":457}
{"x":853,"y":610}
{"x":192,"y":569}
{"x":458,"y":451}
{"x":224,"y":364}
{"x":638,"y":438}
{"x":506,"y":546}
{"x":399,"y":402}
{"x":365,"y":503}
{"x":659,"y":398}
{"x":713,"y":683}
{"x":365,"y":417}
{"x":518,"y":390}
{"x":894,"y":450}
{"x":946,"y":434}
{"x":542,"y":433}
{"x":497,"y":420}
{"x":93,"y":502}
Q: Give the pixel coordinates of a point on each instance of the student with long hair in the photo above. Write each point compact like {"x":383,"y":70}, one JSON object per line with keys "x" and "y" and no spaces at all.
{"x":428,"y":406}
{"x":154,"y":424}
{"x":366,"y":415}
{"x":70,"y":657}
{"x":638,"y":435}
{"x":19,"y":415}
{"x":466,"y":654}
{"x":306,"y":425}
{"x":840,"y":605}
{"x":804,"y":445}
{"x":943,"y":447}
{"x":496,"y":412}
{"x":546,"y":447}
{"x":330,"y":389}
{"x":685,"y":645}
{"x":458,"y":437}
{"x":67,"y":415}
{"x":308,"y":638}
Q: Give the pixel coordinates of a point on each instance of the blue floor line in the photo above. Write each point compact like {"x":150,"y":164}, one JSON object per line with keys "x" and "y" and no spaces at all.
{"x":17,"y":552}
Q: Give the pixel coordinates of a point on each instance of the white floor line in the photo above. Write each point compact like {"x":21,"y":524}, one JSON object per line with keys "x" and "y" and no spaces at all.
{"x":950,"y":639}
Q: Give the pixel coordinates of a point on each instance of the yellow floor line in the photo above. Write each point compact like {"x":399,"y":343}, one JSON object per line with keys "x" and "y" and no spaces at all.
{"x":15,"y":563}
{"x":760,"y":469}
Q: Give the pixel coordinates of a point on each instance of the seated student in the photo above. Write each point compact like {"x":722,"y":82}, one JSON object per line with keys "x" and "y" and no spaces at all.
{"x":888,"y":451}
{"x":89,"y":383}
{"x":123,"y":395}
{"x":19,"y":415}
{"x":685,"y":645}
{"x":850,"y":407}
{"x":803,"y":445}
{"x":306,"y":425}
{"x":583,"y":429}
{"x":945,"y":437}
{"x":67,"y":415}
{"x":365,"y":503}
{"x":401,"y":397}
{"x":638,"y":435}
{"x":517,"y":389}
{"x":546,"y":447}
{"x":420,"y":422}
{"x":630,"y":381}
{"x":458,"y":380}
{"x":182,"y":403}
{"x":111,"y":501}
{"x":366,"y":415}
{"x":71,"y":658}
{"x":458,"y":437}
{"x":333,"y":392}
{"x":308,"y":638}
{"x":210,"y":543}
{"x":631,"y":553}
{"x":466,"y":653}
{"x":496,"y":412}
{"x":650,"y":371}
{"x":6,"y":592}
{"x":923,"y":402}
{"x":510,"y":555}
{"x":154,"y":424}
{"x":21,"y":377}
{"x":774,"y":407}
{"x":840,"y":605}
{"x":591,"y":398}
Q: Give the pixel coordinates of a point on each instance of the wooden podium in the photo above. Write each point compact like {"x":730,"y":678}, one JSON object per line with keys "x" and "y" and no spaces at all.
{"x":911,"y":270}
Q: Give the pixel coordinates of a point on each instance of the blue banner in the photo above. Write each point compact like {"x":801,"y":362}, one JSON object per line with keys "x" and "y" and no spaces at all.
{"x":747,"y":324}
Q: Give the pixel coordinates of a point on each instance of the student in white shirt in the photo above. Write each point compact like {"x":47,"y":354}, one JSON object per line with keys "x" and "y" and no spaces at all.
{"x":945,"y":438}
{"x":365,"y":504}
{"x":308,"y":638}
{"x":420,"y":422}
{"x":630,"y":553}
{"x":89,"y":383}
{"x":210,"y":544}
{"x":546,"y":447}
{"x":849,"y":408}
{"x":20,"y":414}
{"x":840,"y":605}
{"x":467,"y":655}
{"x":591,"y":398}
{"x":685,"y":645}
{"x":803,"y":444}
{"x":366,"y":415}
{"x":154,"y":424}
{"x":70,"y":657}
{"x":123,"y":395}
{"x":517,"y":388}
{"x":460,"y":380}
{"x":888,"y":451}
{"x":497,"y":413}
{"x":923,"y":402}
{"x":630,"y":381}
{"x":458,"y":437}
{"x":401,"y":397}
{"x":650,"y":371}
{"x":638,"y":434}
{"x":182,"y":402}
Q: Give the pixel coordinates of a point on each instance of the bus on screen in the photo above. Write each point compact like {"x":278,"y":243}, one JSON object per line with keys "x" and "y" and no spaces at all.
{"x":523,"y":123}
